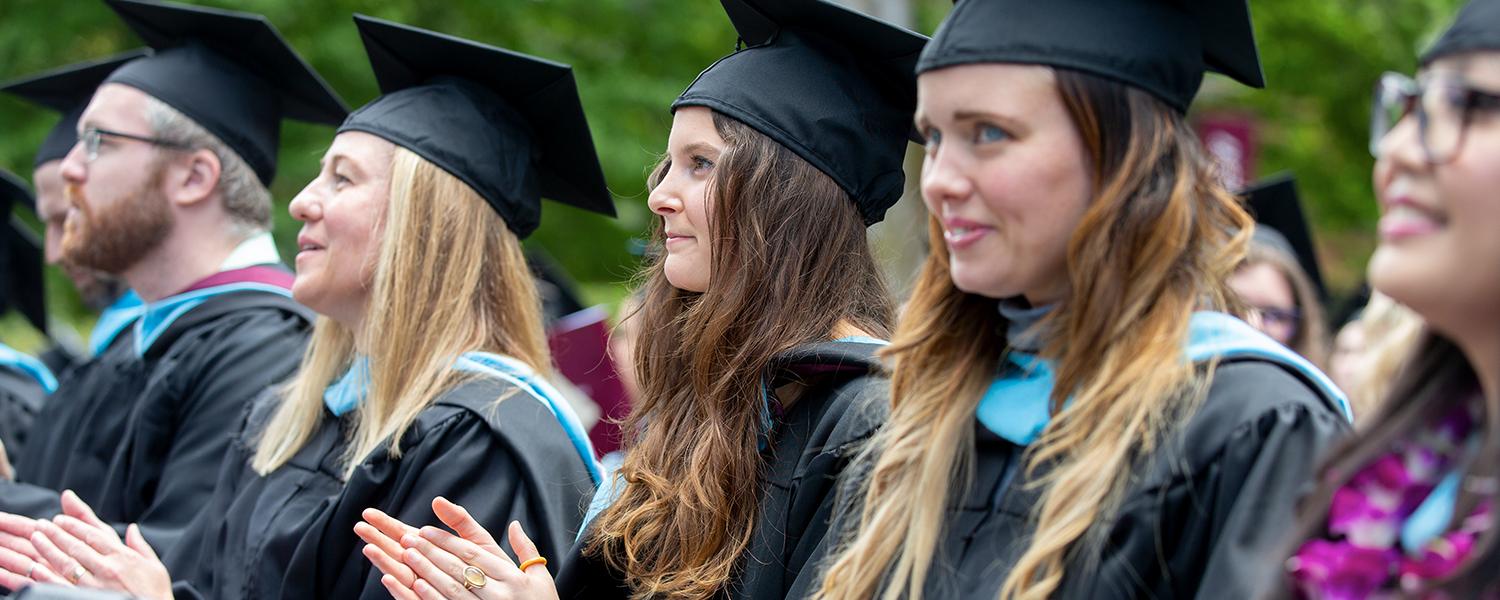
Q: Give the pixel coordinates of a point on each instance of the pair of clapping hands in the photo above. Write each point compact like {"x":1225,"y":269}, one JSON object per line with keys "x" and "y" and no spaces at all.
{"x":431,"y":564}
{"x":76,"y":548}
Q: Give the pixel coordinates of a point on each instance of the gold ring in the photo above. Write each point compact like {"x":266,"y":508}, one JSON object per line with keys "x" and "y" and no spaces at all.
{"x":532,"y":563}
{"x":474,"y":578}
{"x":76,"y":573}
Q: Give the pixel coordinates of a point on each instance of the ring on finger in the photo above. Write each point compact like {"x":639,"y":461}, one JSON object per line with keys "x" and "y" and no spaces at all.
{"x":473,"y":577}
{"x":76,"y":574}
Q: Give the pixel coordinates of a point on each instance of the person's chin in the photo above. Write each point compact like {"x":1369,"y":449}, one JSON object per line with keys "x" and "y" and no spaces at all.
{"x":974,"y":281}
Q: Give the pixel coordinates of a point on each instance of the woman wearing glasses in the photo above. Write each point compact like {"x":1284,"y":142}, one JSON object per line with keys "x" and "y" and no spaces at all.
{"x":1405,"y":509}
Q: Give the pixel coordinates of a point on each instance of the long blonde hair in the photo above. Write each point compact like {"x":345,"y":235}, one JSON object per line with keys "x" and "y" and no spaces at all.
{"x":1157,"y":242}
{"x":450,"y":278}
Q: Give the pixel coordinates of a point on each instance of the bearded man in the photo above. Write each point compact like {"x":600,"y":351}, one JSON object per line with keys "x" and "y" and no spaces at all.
{"x":166,"y":188}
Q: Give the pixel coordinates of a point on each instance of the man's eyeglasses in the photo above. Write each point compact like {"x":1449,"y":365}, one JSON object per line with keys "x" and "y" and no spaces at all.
{"x":1443,"y":106}
{"x":93,"y":135}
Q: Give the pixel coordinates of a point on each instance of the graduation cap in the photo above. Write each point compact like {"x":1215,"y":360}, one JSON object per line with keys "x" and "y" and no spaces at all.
{"x":832,"y":85}
{"x":1160,"y":46}
{"x":509,"y":125}
{"x":1477,"y":27}
{"x":1282,"y":224}
{"x":230,"y":72}
{"x":20,"y":256}
{"x":66,"y":90}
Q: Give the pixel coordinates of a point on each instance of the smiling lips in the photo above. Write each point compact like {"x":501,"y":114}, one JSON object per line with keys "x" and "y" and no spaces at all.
{"x":1406,"y":218}
{"x":962,"y":233}
{"x":677,"y":238}
{"x":306,"y":244}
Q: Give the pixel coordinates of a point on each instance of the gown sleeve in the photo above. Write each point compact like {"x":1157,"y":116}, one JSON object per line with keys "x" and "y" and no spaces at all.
{"x":20,"y":399}
{"x":515,"y":466}
{"x":1217,"y":503}
{"x":173,"y":472}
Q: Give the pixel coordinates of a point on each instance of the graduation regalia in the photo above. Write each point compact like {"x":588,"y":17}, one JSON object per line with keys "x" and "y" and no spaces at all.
{"x":25,"y":381}
{"x":139,"y":431}
{"x":502,"y":442}
{"x":493,"y":444}
{"x":842,"y":404}
{"x":1202,"y":516}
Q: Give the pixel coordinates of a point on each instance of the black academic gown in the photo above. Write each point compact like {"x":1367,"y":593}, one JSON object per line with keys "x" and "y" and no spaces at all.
{"x":1203,"y":517}
{"x":21,"y":398}
{"x":290,"y":534}
{"x":141,"y":438}
{"x":842,"y":405}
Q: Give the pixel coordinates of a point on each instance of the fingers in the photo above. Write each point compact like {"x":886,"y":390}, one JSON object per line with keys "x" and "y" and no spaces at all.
{"x":137,"y":542}
{"x":90,"y":535}
{"x":55,"y":561}
{"x":19,"y":545}
{"x":64,"y":553}
{"x":438,"y":582}
{"x":523,"y":547}
{"x":379,"y":539}
{"x":467,"y":552}
{"x":13,"y":569}
{"x":458,"y":519}
{"x":75,"y":507}
{"x":12,"y":581}
{"x":17,"y":525}
{"x":390,"y":565}
{"x":390,"y":526}
{"x":398,"y":590}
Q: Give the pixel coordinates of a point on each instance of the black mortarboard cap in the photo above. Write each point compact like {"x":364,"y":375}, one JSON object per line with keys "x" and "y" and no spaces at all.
{"x":1160,"y":46}
{"x":509,"y":125}
{"x":230,"y":72}
{"x":1477,"y":27}
{"x":1282,"y":224}
{"x":834,"y":86}
{"x":20,"y":256}
{"x":66,"y":90}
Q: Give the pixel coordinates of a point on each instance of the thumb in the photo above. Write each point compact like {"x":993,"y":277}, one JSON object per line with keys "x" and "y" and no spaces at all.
{"x":137,"y":542}
{"x":523,"y":547}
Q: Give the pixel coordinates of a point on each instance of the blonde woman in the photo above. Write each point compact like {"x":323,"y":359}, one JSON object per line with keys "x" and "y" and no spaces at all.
{"x":1068,"y":417}
{"x":426,"y":374}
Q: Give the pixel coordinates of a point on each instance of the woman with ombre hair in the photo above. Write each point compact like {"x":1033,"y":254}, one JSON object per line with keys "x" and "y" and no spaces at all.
{"x":1075,"y":413}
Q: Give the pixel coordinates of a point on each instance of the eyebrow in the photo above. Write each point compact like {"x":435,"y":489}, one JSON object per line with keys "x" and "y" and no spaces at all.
{"x":701,"y":148}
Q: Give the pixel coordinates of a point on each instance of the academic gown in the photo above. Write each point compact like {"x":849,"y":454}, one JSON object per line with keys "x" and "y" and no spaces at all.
{"x":140,"y":436}
{"x":290,"y":534}
{"x":808,"y":446}
{"x":21,"y":398}
{"x":1200,"y":518}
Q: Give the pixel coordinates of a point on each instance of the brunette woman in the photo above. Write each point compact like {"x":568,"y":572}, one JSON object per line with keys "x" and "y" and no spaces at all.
{"x":1406,"y":509}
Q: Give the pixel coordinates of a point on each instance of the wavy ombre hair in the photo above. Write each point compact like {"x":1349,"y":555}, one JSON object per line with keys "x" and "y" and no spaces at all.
{"x":450,"y":278}
{"x":1155,"y":244}
{"x":790,"y":264}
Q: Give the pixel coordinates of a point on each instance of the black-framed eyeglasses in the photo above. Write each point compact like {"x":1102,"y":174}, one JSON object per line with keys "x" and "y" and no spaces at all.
{"x":1444,"y":105}
{"x":92,"y":135}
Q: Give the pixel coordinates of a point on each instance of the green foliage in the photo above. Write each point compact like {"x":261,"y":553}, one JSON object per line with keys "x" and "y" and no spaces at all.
{"x":1322,"y":59}
{"x":633,"y":57}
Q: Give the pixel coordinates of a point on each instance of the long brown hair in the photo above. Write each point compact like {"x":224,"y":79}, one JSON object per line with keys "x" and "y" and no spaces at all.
{"x":450,"y":278}
{"x":1156,"y":243}
{"x":790,"y":263}
{"x":1436,"y":379}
